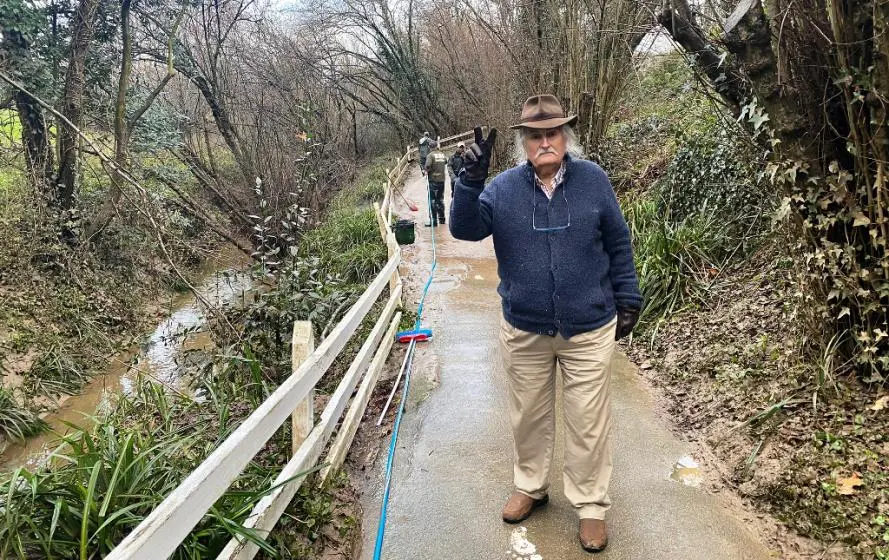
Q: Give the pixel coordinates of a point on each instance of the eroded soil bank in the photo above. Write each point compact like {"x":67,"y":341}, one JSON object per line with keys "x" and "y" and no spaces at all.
{"x":733,"y":378}
{"x":70,"y":330}
{"x":159,"y":357}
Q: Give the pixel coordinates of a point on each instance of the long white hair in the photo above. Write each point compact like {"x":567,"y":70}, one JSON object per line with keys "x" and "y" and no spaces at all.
{"x":572,"y":144}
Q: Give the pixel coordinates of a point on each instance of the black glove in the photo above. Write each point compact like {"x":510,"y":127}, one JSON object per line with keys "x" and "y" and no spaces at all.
{"x":626,"y":320}
{"x":477,"y":157}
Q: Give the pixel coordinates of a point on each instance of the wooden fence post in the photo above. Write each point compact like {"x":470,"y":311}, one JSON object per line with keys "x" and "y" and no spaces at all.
{"x":391,"y":249}
{"x":387,"y":195}
{"x":304,"y":414}
{"x":381,"y":221}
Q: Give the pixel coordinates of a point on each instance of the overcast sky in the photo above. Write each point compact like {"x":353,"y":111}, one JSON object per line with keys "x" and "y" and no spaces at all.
{"x":282,"y":5}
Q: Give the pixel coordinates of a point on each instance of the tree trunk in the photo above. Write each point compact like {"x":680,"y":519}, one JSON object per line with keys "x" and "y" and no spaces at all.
{"x":35,"y":132}
{"x":35,"y":137}
{"x":353,"y":113}
{"x":72,"y":102}
{"x":121,"y":131}
{"x":224,"y":124}
{"x":795,"y":65}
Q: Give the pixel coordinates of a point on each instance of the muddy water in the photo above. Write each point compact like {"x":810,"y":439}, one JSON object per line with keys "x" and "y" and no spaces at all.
{"x":160,"y":358}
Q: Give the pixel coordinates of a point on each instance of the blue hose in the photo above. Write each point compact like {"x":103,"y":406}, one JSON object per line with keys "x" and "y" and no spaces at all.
{"x":381,"y":529}
{"x":434,"y":260}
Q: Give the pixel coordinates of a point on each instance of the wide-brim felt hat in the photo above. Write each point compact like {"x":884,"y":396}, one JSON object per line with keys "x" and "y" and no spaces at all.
{"x":543,"y":111}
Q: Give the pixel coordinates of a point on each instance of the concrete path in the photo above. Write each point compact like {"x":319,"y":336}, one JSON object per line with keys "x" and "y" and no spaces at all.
{"x":453,"y":467}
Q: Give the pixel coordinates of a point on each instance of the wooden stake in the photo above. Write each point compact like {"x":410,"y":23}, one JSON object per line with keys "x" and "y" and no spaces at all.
{"x":304,"y":414}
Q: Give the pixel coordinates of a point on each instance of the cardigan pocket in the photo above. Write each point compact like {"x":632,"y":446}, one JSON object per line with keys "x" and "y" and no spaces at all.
{"x":598,"y":295}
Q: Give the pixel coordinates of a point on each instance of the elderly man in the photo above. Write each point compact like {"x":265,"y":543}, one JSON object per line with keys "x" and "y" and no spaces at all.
{"x":568,"y":289}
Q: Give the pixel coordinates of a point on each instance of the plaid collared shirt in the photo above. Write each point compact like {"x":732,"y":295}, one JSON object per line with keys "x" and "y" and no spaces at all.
{"x":557,"y":180}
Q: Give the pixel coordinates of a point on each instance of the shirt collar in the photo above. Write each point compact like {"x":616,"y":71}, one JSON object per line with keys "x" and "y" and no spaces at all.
{"x":557,"y":180}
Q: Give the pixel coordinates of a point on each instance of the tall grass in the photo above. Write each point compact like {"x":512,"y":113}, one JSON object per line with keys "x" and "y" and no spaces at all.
{"x":347,"y":241}
{"x":101,"y":484}
{"x":15,"y":421}
{"x":348,"y":244}
{"x":56,"y":371}
{"x":675,"y":261}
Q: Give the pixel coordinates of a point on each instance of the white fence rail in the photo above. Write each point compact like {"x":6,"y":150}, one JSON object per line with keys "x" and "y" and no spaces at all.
{"x":164,"y":529}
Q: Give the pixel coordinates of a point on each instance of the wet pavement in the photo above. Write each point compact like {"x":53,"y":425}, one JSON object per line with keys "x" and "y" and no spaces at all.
{"x":453,"y":470}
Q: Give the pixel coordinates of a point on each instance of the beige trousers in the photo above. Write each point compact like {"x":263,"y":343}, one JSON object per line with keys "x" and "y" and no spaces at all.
{"x":585,"y":362}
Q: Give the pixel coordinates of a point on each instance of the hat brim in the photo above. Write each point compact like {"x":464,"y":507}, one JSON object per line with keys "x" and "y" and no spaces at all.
{"x":547,"y":123}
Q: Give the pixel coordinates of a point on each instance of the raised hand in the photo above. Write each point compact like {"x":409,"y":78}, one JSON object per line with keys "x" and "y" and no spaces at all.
{"x":477,"y":158}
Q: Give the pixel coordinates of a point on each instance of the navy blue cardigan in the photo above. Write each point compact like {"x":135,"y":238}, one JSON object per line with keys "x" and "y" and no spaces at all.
{"x":568,"y":281}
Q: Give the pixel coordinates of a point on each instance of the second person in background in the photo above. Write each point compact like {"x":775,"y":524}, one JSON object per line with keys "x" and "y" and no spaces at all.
{"x":435,"y":168}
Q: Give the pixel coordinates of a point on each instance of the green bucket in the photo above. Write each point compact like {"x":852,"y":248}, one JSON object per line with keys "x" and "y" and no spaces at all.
{"x":404,"y":232}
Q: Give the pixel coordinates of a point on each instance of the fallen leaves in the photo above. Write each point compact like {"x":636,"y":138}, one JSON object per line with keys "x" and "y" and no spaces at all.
{"x":846,"y":486}
{"x":880,"y":404}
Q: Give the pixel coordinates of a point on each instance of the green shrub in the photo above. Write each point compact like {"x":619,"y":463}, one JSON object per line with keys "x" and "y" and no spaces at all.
{"x":673,"y":260}
{"x":660,"y":104}
{"x":102,"y":483}
{"x":330,"y":268}
{"x":715,"y":173}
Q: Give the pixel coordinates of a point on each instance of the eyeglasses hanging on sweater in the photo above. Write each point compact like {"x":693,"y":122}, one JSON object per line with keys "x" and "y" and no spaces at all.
{"x":555,"y":215}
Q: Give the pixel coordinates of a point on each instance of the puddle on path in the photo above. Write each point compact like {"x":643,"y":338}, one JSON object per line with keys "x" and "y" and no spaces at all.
{"x":520,"y":548}
{"x":687,"y":471}
{"x":160,"y":357}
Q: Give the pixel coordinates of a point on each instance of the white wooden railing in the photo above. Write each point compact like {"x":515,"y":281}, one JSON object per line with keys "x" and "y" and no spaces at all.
{"x":445,"y":143}
{"x":164,"y":529}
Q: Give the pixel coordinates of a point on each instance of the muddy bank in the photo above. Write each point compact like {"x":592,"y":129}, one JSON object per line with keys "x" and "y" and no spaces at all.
{"x":732,"y":378}
{"x":161,"y":356}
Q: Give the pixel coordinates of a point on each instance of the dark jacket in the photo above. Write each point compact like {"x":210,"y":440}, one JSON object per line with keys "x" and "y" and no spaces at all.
{"x":435,"y":166}
{"x":568,"y":281}
{"x":455,"y":164}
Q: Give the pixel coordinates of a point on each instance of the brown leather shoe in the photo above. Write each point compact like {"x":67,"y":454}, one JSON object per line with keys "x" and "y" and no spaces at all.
{"x":519,"y":507}
{"x":593,"y":535}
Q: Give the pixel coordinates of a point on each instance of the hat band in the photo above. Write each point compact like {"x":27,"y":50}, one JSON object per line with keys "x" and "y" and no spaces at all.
{"x":543,"y":117}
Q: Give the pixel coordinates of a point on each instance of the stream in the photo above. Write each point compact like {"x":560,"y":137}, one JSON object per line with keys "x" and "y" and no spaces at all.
{"x":159,"y":357}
